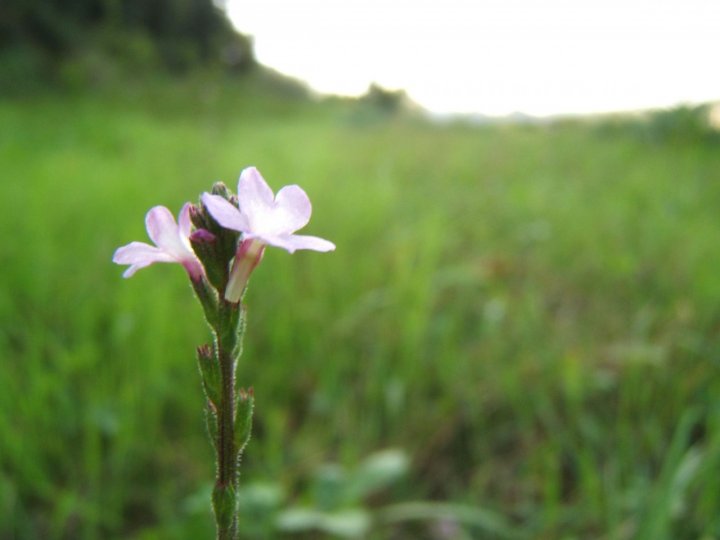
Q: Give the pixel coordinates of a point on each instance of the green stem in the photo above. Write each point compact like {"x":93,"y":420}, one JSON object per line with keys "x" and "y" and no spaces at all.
{"x":226,"y":483}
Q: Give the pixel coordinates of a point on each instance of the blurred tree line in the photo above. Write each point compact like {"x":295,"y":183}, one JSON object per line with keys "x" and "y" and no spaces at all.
{"x":683,"y":124}
{"x":53,"y":39}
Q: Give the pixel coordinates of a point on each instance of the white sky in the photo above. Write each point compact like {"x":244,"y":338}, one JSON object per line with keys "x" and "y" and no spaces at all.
{"x":496,"y":56}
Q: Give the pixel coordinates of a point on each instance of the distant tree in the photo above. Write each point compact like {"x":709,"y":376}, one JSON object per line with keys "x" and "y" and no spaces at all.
{"x":388,"y":101}
{"x":182,"y":32}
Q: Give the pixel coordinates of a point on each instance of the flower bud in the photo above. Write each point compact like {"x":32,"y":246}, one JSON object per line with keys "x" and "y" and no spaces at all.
{"x":219,"y":188}
{"x":249,"y":254}
{"x":202,"y":236}
{"x":214,"y":245}
{"x":198,"y":217}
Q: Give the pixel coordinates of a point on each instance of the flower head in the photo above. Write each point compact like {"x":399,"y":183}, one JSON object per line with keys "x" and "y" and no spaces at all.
{"x":171,"y":240}
{"x":271,"y":219}
{"x":263,"y":219}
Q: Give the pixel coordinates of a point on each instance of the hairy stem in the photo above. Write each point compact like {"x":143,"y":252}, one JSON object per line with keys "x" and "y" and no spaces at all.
{"x":226,"y":482}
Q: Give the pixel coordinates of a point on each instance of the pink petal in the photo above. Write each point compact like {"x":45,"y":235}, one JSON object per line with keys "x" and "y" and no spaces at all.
{"x":139,"y":255}
{"x":254,"y":195}
{"x":298,"y":241}
{"x":293,"y":210}
{"x":140,"y":251}
{"x":159,"y":223}
{"x":184,"y":223}
{"x":193,"y":266}
{"x":225,"y":213}
{"x":163,"y":230}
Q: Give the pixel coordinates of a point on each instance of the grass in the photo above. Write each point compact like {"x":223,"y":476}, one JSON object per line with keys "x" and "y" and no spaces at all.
{"x":531,"y":312}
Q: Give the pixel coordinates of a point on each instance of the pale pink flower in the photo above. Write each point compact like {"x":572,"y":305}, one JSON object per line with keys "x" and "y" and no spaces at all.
{"x":262,"y":216}
{"x":172,"y":243}
{"x":263,"y":219}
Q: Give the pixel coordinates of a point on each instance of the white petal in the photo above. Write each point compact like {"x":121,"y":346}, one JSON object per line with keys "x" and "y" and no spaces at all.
{"x":130,"y":271}
{"x":298,"y":241}
{"x":293,"y":210}
{"x":225,"y":213}
{"x":254,"y":195}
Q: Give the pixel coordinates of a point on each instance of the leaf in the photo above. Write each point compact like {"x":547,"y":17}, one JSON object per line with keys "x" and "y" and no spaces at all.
{"x":351,"y":523}
{"x":378,"y":471}
{"x":243,"y":418}
{"x":467,"y":515}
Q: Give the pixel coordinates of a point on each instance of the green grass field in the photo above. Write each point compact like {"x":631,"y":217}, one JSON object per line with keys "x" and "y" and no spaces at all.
{"x":530,"y":313}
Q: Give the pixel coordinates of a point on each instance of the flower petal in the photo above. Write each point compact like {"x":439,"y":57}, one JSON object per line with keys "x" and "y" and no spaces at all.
{"x":252,"y":185}
{"x":134,"y":252}
{"x":298,"y":241}
{"x":139,"y":255}
{"x":225,"y":213}
{"x":293,"y":210}
{"x":163,"y":230}
{"x":184,"y":223}
{"x":254,"y":195}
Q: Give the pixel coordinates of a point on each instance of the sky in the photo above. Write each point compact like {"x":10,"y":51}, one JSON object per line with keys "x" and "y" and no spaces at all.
{"x":496,"y":57}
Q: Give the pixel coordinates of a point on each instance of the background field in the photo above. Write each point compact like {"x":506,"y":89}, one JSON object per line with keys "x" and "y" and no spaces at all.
{"x":530,"y":313}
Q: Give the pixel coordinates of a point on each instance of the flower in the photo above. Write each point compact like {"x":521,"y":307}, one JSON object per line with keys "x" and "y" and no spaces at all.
{"x":263,"y":219}
{"x":172,"y":244}
{"x":270,"y":219}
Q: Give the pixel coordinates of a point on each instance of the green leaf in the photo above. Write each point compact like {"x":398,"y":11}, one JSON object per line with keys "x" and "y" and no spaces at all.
{"x":224,"y":499}
{"x":378,"y":471}
{"x":330,"y":487}
{"x":351,"y":523}
{"x":243,"y":419}
{"x":298,"y":519}
{"x":212,"y":425}
{"x":259,"y":496}
{"x":209,"y":373}
{"x":471,"y":516}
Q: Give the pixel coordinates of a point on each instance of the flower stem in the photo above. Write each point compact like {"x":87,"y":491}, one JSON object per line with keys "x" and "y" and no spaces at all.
{"x":224,"y":496}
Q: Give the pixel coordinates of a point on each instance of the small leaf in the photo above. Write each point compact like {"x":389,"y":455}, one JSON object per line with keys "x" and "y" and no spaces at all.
{"x":243,"y":419}
{"x":211,"y":424}
{"x":259,"y":495}
{"x":330,"y":487}
{"x":239,"y":322}
{"x":470,"y":516}
{"x":298,"y":519}
{"x":224,"y":501}
{"x":351,"y":523}
{"x":378,"y":471}
{"x":209,"y":373}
